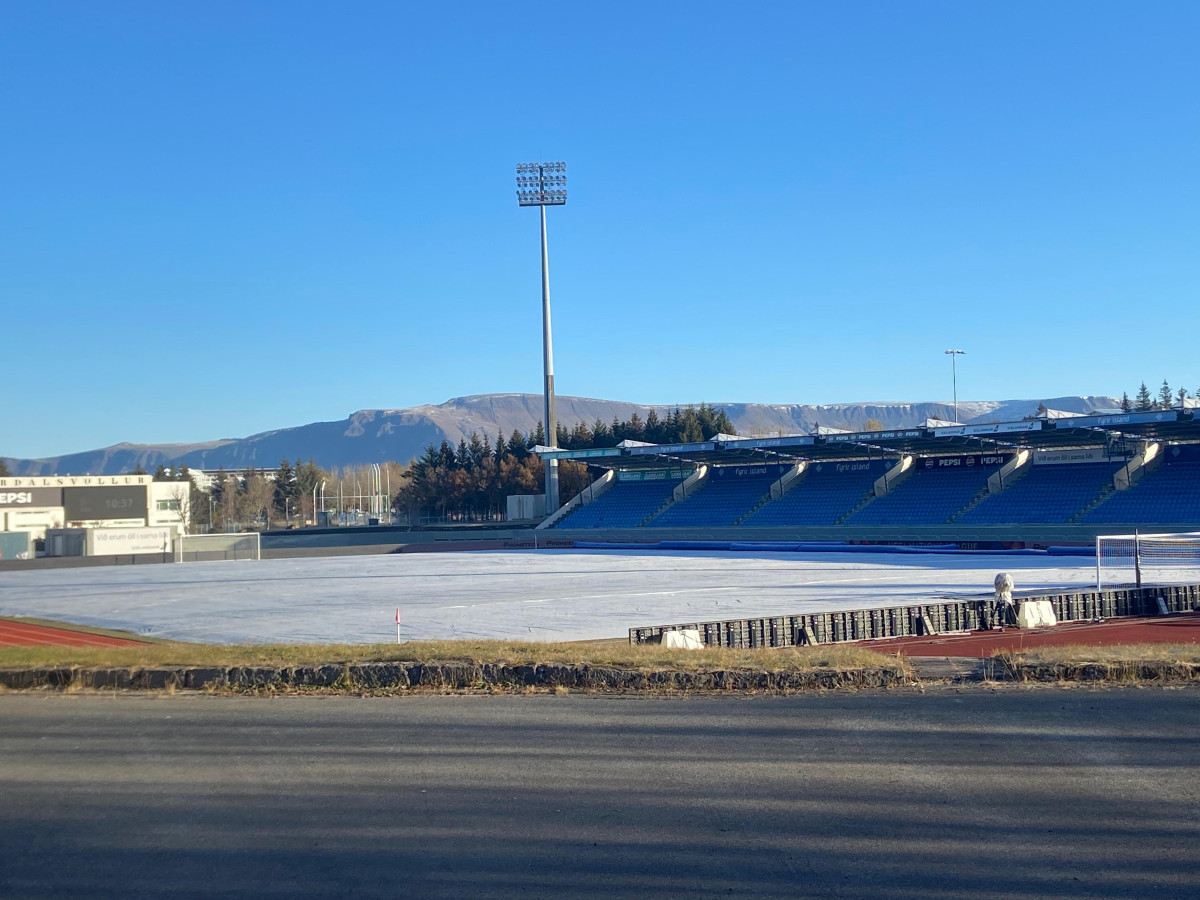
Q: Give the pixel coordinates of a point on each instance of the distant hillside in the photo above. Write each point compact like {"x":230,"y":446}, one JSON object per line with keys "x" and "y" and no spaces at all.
{"x":400,"y":434}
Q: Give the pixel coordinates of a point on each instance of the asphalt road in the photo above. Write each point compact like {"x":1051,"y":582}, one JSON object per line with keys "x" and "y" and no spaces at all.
{"x":1072,"y":793}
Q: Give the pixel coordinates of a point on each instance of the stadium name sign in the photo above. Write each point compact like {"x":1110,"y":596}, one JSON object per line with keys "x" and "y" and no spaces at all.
{"x":49,"y":481}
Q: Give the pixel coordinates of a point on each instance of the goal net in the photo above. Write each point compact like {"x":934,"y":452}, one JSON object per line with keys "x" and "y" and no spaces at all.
{"x":1124,"y":560}
{"x":204,"y":547}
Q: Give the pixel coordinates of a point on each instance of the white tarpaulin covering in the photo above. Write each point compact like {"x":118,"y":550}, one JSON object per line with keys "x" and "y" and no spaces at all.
{"x":687,"y":638}
{"x":1036,"y":614}
{"x":548,"y":595}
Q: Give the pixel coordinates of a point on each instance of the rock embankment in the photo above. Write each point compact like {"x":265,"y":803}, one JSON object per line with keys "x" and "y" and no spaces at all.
{"x":1004,"y":668}
{"x":446,"y":676}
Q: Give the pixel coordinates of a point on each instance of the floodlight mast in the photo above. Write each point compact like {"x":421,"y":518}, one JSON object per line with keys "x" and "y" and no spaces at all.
{"x":545,"y":184}
{"x":954,"y":354}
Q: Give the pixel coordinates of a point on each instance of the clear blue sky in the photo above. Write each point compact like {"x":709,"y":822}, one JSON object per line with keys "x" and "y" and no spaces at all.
{"x":222,"y":218}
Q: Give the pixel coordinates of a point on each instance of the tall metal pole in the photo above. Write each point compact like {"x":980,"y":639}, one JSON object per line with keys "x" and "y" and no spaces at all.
{"x":549,"y":418}
{"x":954,"y":381}
{"x":544,"y":184}
{"x":954,"y":354}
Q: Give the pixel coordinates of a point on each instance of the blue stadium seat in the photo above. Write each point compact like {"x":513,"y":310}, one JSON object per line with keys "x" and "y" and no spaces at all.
{"x":827,"y":491}
{"x":1167,"y":495}
{"x":623,"y":505}
{"x":1048,"y":493}
{"x":929,"y":496}
{"x":724,"y":497}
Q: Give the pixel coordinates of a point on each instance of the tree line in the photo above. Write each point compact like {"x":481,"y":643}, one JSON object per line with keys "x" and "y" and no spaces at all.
{"x":259,"y":498}
{"x":1144,"y":401}
{"x":471,"y":482}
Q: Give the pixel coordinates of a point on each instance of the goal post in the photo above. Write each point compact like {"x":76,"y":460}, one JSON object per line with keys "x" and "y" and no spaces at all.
{"x":206,"y":547}
{"x":1137,"y":559}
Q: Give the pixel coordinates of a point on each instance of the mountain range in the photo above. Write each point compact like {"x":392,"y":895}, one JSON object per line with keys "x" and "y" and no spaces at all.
{"x":378,"y":435}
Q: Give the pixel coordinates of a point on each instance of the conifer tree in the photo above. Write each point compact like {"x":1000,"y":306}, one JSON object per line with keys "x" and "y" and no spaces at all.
{"x":1165,"y":396}
{"x":653,"y":427}
{"x":286,"y":489}
{"x":635,"y":428}
{"x":517,"y":445}
{"x":1144,"y":402}
{"x":1126,"y":403}
{"x":601,"y":436}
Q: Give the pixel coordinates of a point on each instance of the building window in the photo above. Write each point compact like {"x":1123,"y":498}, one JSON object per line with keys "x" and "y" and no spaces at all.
{"x":165,"y":505}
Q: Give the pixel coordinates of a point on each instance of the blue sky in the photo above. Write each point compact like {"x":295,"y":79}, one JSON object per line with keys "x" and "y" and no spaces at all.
{"x":222,"y":218}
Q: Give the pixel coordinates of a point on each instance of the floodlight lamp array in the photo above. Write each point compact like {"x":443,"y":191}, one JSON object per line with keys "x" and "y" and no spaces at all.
{"x":541,"y":184}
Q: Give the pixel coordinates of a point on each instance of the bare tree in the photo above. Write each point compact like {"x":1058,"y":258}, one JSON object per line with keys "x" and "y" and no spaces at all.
{"x":258,"y":496}
{"x":180,"y":497}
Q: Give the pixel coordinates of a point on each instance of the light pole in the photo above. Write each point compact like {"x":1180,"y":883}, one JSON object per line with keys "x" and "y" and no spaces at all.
{"x":544,"y":184}
{"x":954,"y":354}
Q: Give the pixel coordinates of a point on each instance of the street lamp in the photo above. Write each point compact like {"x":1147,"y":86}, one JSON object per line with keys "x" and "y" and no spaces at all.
{"x":544,"y":184}
{"x":954,"y":354}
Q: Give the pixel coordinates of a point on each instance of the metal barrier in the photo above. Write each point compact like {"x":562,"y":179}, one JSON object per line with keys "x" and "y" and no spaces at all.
{"x":922,"y":618}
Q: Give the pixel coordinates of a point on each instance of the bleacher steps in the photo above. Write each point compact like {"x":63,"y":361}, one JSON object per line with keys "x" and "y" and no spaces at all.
{"x":762,"y":501}
{"x":1125,"y":478}
{"x":1009,"y":472}
{"x":1002,"y":479}
{"x":1107,"y":492}
{"x":682,"y":491}
{"x":689,"y":485}
{"x":867,"y":498}
{"x":982,"y":495}
{"x":789,"y":480}
{"x":886,"y":482}
{"x":587,"y":495}
{"x":1133,"y":471}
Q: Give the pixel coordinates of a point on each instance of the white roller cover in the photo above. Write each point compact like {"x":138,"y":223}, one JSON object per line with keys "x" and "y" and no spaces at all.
{"x":687,"y":638}
{"x":1036,"y":614}
{"x":1003,"y":583}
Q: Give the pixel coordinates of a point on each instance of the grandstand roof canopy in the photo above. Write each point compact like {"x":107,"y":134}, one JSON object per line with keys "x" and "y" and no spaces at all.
{"x":1098,"y":430}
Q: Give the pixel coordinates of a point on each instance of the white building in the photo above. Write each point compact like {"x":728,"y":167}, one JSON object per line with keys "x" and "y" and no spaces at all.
{"x":35,"y":503}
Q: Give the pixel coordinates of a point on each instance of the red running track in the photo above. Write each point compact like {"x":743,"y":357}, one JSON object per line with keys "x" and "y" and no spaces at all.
{"x":19,"y":634}
{"x":1183,"y":628}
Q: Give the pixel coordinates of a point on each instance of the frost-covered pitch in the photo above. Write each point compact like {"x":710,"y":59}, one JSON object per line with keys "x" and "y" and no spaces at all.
{"x":548,"y":595}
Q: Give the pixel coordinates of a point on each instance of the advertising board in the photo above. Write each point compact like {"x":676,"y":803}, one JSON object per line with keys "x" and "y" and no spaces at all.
{"x":775,"y":470}
{"x":114,"y":541}
{"x":30,"y":498}
{"x":1069,"y":457}
{"x":974,"y":460}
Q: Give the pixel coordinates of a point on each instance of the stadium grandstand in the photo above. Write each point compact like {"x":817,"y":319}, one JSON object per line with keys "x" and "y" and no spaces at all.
{"x":1041,"y":479}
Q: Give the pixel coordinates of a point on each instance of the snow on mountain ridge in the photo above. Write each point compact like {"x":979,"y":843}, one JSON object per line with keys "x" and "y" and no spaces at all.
{"x":377,"y":435}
